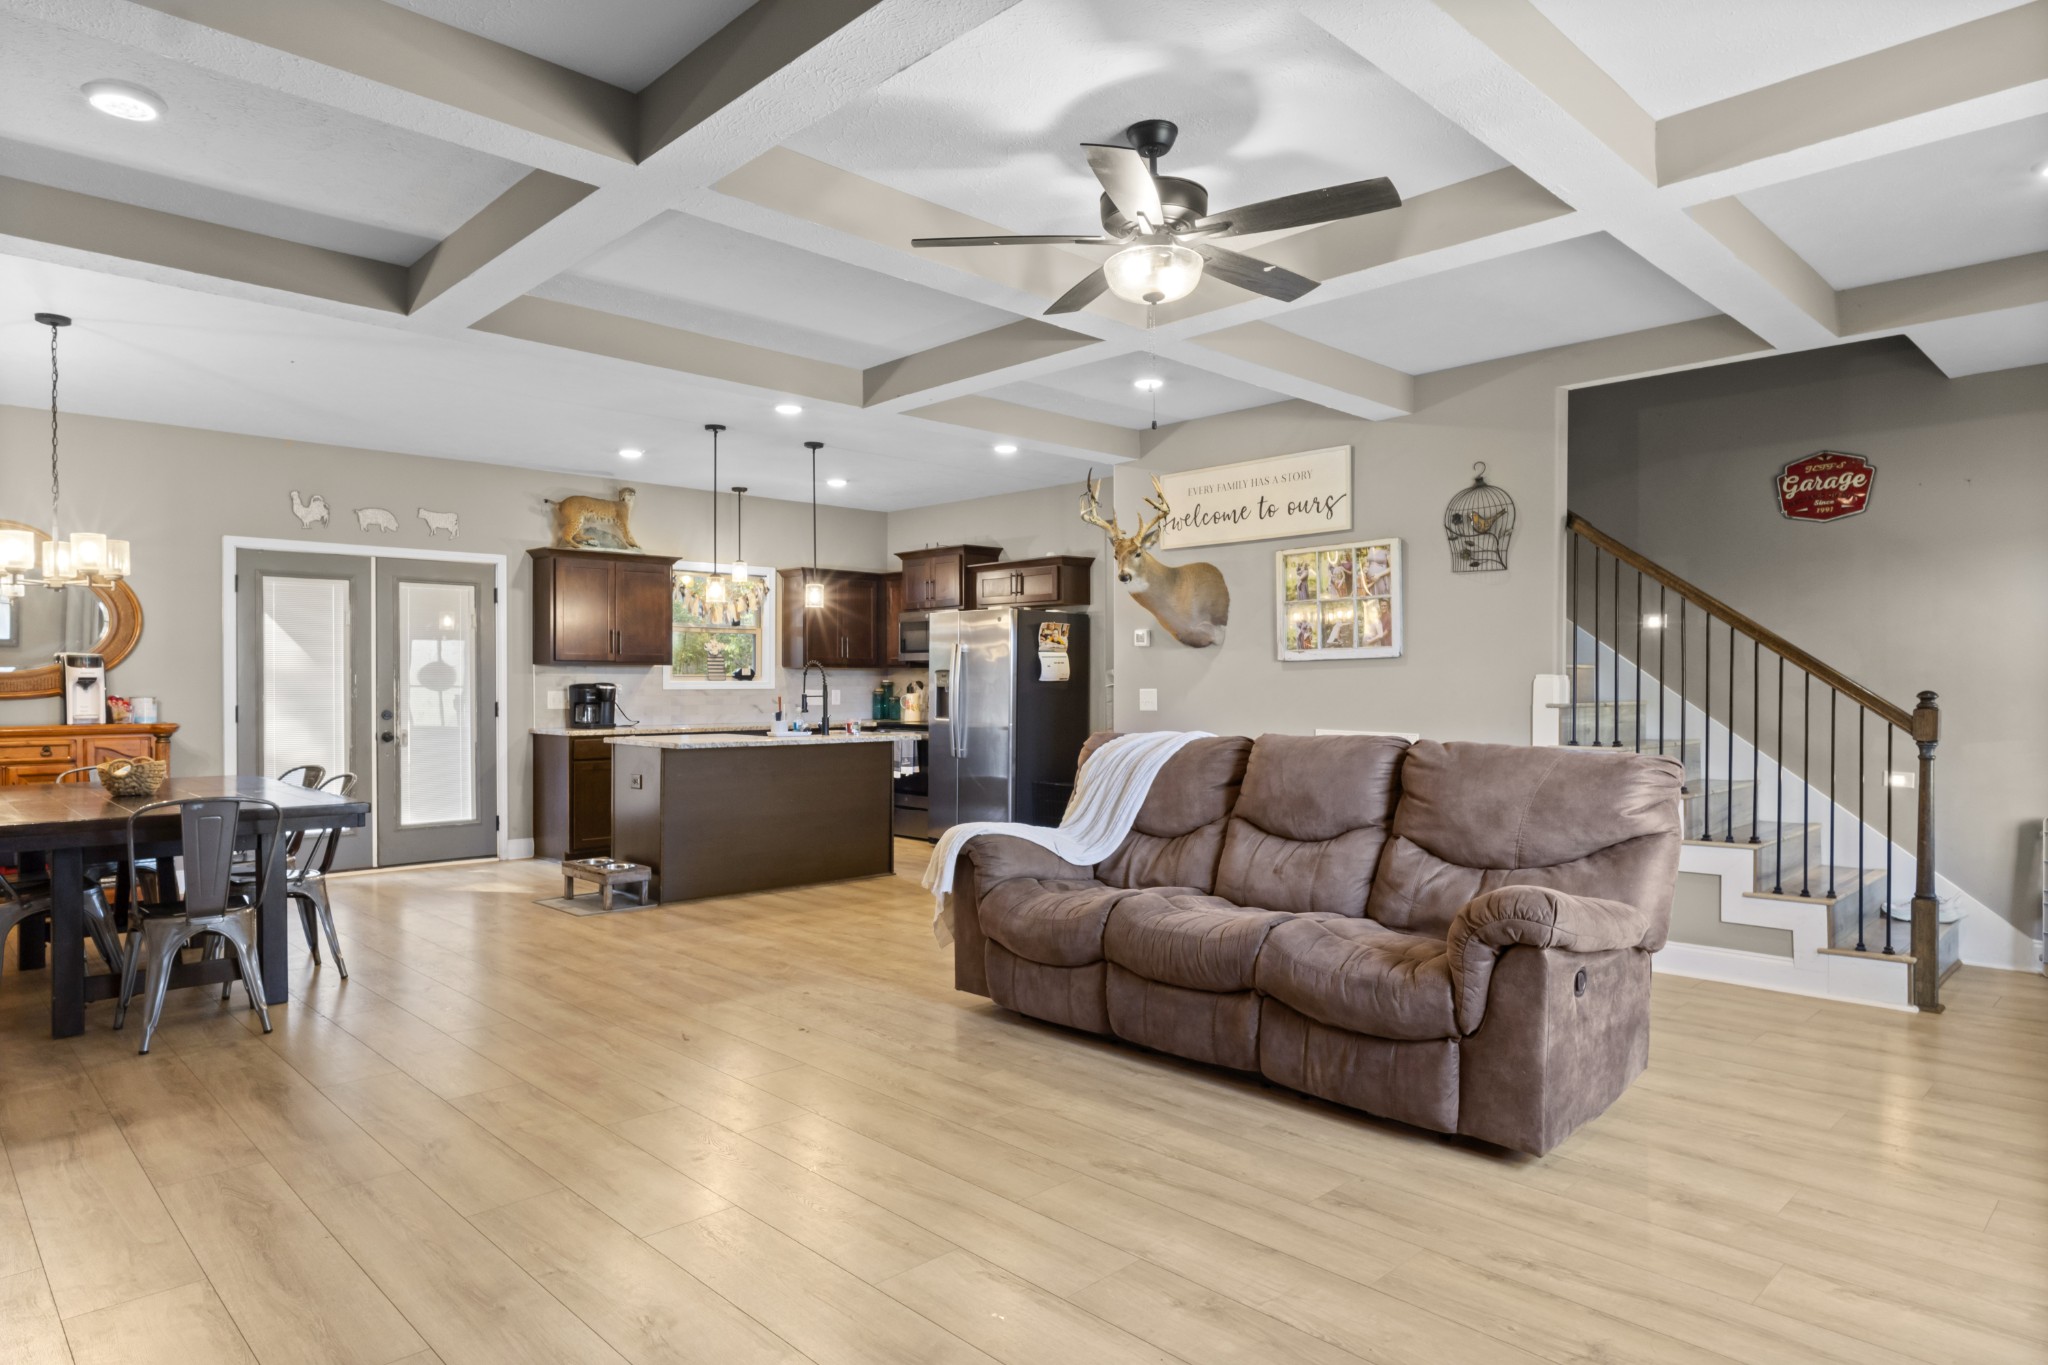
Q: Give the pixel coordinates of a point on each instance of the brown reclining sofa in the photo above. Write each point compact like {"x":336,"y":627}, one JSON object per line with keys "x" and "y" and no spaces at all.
{"x":1457,"y":936}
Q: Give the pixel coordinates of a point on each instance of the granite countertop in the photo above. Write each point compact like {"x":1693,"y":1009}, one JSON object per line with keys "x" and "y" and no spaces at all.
{"x":705,"y":728}
{"x":732,"y":741}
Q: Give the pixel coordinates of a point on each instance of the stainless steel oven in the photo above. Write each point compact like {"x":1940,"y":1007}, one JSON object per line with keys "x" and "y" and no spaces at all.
{"x":914,"y":638}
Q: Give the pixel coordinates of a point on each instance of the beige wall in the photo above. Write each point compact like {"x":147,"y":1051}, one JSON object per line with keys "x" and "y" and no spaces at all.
{"x":1942,"y":584}
{"x":174,"y":492}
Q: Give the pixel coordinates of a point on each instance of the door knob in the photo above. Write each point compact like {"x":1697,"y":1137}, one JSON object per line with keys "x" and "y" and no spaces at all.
{"x":385,"y":737}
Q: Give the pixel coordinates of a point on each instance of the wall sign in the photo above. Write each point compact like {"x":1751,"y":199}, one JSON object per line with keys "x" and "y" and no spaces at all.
{"x":1288,"y":495}
{"x":1825,"y":486}
{"x":1340,"y":601}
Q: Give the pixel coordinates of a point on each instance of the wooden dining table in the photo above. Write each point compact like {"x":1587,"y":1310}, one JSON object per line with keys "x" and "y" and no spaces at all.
{"x":72,"y":825}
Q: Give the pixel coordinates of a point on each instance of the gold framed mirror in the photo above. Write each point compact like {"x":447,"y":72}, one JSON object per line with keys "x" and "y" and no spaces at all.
{"x":37,"y":626}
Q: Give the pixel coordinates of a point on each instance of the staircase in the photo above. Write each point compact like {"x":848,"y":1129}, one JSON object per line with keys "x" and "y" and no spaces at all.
{"x":1809,"y":796}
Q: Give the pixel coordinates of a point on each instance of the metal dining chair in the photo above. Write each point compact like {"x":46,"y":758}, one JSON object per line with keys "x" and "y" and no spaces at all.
{"x":307,"y":864}
{"x":209,"y":829}
{"x":25,"y":897}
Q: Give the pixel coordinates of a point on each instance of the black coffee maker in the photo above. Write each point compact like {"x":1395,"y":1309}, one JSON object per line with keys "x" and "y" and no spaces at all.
{"x":593,"y":706}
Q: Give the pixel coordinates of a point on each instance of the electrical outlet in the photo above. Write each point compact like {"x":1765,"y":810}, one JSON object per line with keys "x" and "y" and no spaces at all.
{"x":558,"y":699}
{"x":1148,"y":699}
{"x":637,"y":782}
{"x":1142,"y":638}
{"x":835,"y":696}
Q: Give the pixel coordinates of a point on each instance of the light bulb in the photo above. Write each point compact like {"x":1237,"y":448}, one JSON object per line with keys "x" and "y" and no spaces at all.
{"x":714,"y":588}
{"x":814,"y":595}
{"x":89,"y":551}
{"x":1153,"y":274}
{"x":124,"y":101}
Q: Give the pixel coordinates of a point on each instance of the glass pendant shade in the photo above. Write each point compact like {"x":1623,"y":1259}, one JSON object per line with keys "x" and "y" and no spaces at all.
{"x":1153,"y":274}
{"x":89,"y":552}
{"x":714,"y":588}
{"x":814,"y":594}
{"x":17,"y":551}
{"x":739,"y":569}
{"x":59,"y":566}
{"x":117,"y":559}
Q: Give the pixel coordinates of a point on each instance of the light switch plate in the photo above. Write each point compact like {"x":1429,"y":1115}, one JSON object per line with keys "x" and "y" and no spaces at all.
{"x":835,"y":696}
{"x":558,"y":699}
{"x":1148,"y":699}
{"x":1142,"y":638}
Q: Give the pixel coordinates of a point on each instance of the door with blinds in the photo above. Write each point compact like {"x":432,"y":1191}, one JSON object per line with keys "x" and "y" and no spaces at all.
{"x":302,"y":681}
{"x":386,"y":668}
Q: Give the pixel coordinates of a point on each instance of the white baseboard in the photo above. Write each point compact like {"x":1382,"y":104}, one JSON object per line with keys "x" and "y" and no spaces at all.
{"x":517,"y":850}
{"x":1988,"y":939}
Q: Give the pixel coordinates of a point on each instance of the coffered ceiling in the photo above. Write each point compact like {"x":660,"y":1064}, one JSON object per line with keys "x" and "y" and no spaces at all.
{"x":532,"y":231}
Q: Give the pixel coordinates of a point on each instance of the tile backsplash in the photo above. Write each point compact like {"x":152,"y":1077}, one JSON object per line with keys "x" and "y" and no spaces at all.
{"x":645,"y":701}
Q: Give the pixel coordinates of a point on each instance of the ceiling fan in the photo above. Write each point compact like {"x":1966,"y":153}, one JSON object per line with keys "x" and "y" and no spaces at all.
{"x":1168,"y":234}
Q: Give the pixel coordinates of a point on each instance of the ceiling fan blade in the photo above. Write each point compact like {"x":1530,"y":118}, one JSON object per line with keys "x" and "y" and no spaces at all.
{"x":1128,"y":181}
{"x":1249,"y":272}
{"x":1325,"y":205}
{"x":1097,"y":240}
{"x":1092,"y":287}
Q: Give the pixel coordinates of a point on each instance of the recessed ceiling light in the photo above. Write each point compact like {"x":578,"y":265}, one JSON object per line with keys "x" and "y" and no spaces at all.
{"x":1148,"y":384}
{"x":789,"y":409}
{"x":123,"y":100}
{"x":2042,"y":170}
{"x":1006,"y":449}
{"x":630,"y":453}
{"x":835,"y":483}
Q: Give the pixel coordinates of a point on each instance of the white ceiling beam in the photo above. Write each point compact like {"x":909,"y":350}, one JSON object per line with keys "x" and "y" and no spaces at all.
{"x":1076,"y":436}
{"x":503,"y":225}
{"x":1988,"y":287}
{"x":1273,"y":358}
{"x":1024,"y":349}
{"x":1762,"y":250}
{"x":1953,"y":81}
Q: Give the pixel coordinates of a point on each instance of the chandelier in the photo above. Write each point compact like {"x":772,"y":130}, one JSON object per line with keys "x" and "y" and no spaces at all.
{"x":86,"y":558}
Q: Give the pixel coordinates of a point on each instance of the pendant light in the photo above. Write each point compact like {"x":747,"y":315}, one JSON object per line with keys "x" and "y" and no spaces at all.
{"x":87,"y":557}
{"x":814,"y":583}
{"x":739,"y":534}
{"x":714,"y":586}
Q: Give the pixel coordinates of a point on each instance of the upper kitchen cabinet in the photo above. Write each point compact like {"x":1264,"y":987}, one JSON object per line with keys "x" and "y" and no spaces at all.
{"x":846,"y":632}
{"x":1049,"y":581}
{"x":938,"y":579}
{"x":600,"y":607}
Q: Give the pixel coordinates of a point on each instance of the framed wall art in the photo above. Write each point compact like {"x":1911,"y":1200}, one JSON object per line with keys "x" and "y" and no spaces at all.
{"x":1340,"y":601}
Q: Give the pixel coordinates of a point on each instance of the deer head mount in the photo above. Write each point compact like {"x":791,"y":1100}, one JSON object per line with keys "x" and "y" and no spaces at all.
{"x":1190,"y":600}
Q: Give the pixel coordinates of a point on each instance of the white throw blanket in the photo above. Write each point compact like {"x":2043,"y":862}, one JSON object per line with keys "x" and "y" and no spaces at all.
{"x":1108,"y":792}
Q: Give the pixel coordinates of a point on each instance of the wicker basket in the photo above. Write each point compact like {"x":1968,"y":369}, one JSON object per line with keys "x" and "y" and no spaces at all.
{"x":133,"y":776}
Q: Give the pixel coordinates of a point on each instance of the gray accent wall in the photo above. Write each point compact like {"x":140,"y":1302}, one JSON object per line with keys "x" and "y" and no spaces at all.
{"x":1942,"y":584}
{"x":174,"y":492}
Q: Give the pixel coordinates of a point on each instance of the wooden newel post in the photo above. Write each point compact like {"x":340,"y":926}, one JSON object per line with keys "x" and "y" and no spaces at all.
{"x":1926,"y":908}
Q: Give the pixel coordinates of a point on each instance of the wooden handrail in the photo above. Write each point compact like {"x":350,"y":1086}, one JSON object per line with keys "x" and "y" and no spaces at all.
{"x":1762,"y":634}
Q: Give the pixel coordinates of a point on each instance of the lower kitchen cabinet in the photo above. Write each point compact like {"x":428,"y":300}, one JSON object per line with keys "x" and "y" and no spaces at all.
{"x":572,"y":796}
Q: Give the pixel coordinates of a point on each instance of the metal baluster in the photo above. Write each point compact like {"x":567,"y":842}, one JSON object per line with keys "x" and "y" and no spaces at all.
{"x":1685,"y":780}
{"x":1756,"y":737}
{"x":1778,"y":883}
{"x":1834,"y":699}
{"x":1862,"y":891}
{"x":1617,"y":653}
{"x":1728,"y":815}
{"x":1707,"y":737}
{"x":1806,"y":787}
{"x":1639,"y":661}
{"x":1596,"y":646}
{"x":1572,"y":654}
{"x":1891,"y":732}
{"x":1663,"y":630}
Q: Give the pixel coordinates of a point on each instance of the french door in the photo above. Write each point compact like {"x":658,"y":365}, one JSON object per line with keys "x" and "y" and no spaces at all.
{"x":382,"y":667}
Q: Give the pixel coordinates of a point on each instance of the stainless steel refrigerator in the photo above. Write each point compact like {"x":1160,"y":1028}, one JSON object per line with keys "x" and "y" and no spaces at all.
{"x":1008,"y":714}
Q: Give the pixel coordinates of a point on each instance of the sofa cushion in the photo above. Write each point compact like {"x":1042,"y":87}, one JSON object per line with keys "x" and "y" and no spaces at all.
{"x":1179,"y":830}
{"x":1308,"y":827}
{"x":1058,"y":923}
{"x":1074,"y":996}
{"x":1219,"y":1027}
{"x":1203,"y":943}
{"x":1474,"y":817}
{"x":1358,"y":975}
{"x":1411,"y":1082}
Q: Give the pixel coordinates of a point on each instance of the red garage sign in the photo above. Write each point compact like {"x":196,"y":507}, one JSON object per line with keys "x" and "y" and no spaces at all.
{"x":1825,"y":486}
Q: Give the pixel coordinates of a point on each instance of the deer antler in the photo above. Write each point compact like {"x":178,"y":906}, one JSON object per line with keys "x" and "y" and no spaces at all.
{"x":1149,"y":529}
{"x":1091,"y":508}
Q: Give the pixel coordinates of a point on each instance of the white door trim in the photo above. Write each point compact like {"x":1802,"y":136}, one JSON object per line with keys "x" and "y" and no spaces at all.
{"x":230,"y":727}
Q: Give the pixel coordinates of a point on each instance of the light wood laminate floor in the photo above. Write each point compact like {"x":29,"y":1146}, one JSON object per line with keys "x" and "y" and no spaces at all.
{"x":767,"y":1129}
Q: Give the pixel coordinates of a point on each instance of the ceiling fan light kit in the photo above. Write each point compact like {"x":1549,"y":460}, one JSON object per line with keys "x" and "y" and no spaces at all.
{"x":1168,"y":235}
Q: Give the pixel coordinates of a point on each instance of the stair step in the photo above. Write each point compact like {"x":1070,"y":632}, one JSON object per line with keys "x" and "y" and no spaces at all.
{"x":1842,"y":938}
{"x":1714,"y":806}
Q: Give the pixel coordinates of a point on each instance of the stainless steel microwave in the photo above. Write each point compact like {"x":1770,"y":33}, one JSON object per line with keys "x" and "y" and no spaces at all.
{"x":914,"y":638}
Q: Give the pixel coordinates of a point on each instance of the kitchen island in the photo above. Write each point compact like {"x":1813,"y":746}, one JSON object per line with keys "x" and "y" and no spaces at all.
{"x":725,"y":814}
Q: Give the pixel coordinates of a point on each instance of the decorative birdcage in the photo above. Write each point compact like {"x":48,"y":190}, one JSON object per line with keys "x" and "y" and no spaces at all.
{"x":1479,"y":522}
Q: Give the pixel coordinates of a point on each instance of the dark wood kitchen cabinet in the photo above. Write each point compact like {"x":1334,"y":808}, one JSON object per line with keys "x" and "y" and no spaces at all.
{"x":1050,"y":581}
{"x":600,"y":607}
{"x":572,"y":796}
{"x":846,"y":632}
{"x":939,"y":579}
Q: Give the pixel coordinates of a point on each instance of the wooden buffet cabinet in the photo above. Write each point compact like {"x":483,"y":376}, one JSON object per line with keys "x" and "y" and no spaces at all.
{"x":31,"y":754}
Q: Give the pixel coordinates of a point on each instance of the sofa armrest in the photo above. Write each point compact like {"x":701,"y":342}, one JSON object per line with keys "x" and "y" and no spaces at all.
{"x":1531,"y":917}
{"x":1003,"y":857}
